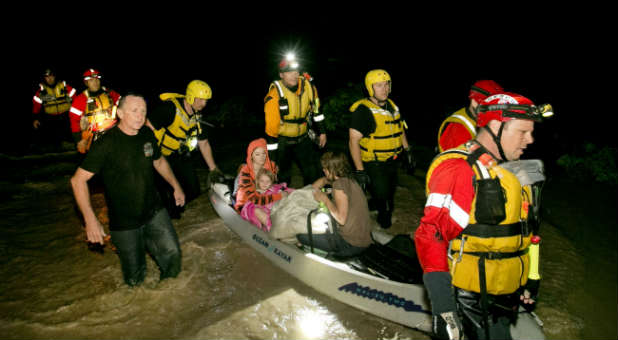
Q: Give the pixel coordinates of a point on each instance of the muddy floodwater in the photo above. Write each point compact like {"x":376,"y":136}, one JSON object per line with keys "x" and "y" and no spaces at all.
{"x":52,"y":287}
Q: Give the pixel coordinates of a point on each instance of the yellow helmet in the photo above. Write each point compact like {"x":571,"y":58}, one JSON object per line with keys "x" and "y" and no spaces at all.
{"x":197,"y":89}
{"x":375,"y":76}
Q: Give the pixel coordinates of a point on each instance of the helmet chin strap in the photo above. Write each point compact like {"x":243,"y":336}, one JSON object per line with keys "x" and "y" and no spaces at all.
{"x":497,"y":139}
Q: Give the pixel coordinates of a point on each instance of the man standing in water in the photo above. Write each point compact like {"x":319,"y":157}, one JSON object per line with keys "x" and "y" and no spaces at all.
{"x":484,"y":211}
{"x":126,"y":158}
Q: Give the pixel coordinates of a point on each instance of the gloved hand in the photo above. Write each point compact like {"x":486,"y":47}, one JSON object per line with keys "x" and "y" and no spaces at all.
{"x":446,"y":323}
{"x":362,"y":178}
{"x":215,"y":176}
{"x":409,"y":162}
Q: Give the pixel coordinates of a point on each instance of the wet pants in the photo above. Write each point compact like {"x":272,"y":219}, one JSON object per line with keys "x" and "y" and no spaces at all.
{"x":501,"y":313}
{"x":303,"y":152}
{"x":383,"y":182}
{"x":332,"y":243}
{"x":159,"y":238}
{"x":183,"y":169}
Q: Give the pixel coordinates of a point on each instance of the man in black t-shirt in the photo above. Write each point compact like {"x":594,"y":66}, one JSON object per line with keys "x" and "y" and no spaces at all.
{"x":126,"y":158}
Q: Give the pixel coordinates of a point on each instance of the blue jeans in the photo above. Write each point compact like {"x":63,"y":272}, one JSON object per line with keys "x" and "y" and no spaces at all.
{"x":159,"y":238}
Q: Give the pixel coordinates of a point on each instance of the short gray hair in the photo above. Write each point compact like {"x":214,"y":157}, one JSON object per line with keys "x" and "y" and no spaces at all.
{"x":123,"y":99}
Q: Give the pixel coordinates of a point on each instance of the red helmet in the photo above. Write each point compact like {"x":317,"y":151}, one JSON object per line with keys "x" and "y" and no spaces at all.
{"x":506,"y":106}
{"x":92,"y":73}
{"x":483,"y":89}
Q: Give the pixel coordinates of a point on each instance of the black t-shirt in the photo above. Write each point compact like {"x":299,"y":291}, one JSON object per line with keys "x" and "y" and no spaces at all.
{"x":362,"y":119}
{"x":125,"y":165}
{"x":163,"y":116}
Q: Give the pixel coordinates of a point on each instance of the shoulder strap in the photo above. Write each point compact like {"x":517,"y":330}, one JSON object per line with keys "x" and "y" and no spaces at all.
{"x":363,"y":101}
{"x":395,"y":107}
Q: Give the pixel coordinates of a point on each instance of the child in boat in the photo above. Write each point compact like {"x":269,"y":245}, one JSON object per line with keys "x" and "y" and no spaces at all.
{"x":259,"y":215}
{"x":245,"y":190}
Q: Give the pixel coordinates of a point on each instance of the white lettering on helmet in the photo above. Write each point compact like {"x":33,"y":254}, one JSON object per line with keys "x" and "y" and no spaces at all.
{"x":502,"y":99}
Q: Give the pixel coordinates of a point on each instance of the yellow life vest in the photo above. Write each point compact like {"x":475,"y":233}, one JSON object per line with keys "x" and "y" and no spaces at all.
{"x":462,"y":117}
{"x":294,"y":108}
{"x":55,"y":100}
{"x":100,"y":111}
{"x":182,"y":134}
{"x":494,"y":257}
{"x":385,"y":141}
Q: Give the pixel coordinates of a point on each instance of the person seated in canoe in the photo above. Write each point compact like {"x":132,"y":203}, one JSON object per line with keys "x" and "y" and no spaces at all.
{"x":257,"y":159}
{"x":259,"y":215}
{"x":352,"y":235}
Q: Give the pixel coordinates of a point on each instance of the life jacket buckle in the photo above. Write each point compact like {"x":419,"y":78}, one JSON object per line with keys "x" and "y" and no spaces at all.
{"x":461,"y":248}
{"x":449,"y":252}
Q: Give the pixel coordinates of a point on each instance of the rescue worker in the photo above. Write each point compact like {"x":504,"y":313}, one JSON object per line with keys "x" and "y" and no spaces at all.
{"x":292,"y":103}
{"x":93,"y":111}
{"x":460,"y":126}
{"x":179,"y":131}
{"x":377,"y":139}
{"x":54,"y":98}
{"x":484,"y":211}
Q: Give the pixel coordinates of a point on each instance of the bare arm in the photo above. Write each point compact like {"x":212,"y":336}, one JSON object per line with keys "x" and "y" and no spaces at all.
{"x":404,"y":139}
{"x":163,"y":168}
{"x":355,"y":151}
{"x":319,"y":183}
{"x":206,"y":151}
{"x":79,"y":182}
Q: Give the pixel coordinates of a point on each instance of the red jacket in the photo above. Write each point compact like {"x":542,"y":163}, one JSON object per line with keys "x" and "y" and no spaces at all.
{"x":446,"y":214}
{"x":454,"y":135}
{"x":79,"y":106}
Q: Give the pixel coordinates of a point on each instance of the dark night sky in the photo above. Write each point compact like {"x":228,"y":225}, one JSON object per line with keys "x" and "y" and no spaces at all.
{"x":432,"y":62}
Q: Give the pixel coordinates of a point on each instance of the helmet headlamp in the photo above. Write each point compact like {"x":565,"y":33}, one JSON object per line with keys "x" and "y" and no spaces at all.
{"x":289,"y":63}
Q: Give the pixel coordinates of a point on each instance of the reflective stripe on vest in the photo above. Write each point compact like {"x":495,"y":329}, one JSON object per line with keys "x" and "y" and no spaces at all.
{"x":462,"y":117}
